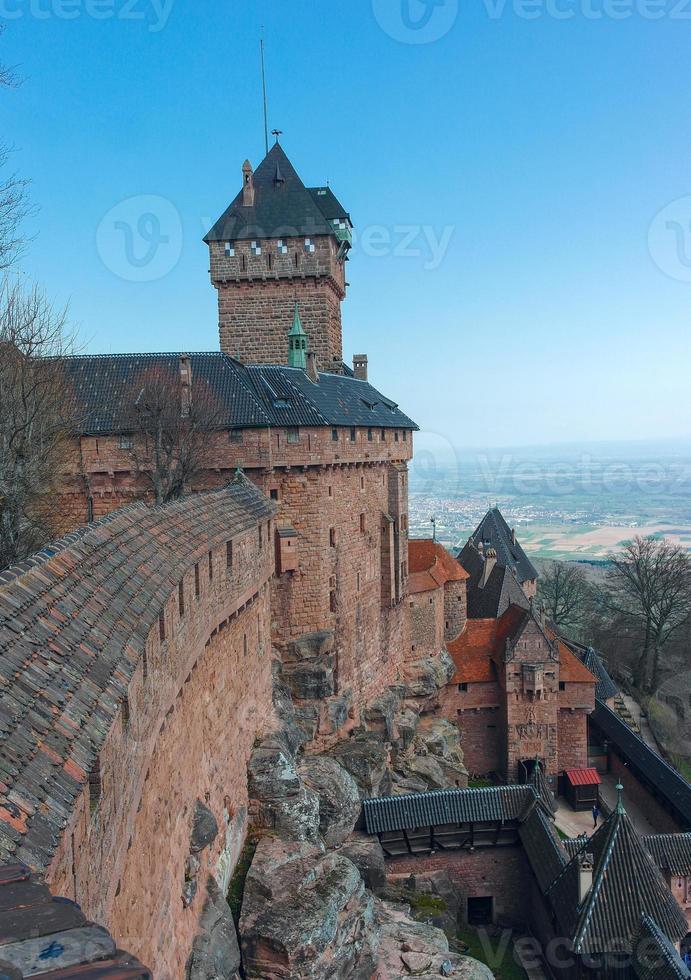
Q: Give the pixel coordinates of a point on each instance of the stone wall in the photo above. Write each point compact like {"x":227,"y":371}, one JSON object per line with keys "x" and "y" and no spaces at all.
{"x":500,"y":872}
{"x":573,"y":739}
{"x":257,"y":295}
{"x":426,"y":618}
{"x":455,"y":609}
{"x":191,"y":722}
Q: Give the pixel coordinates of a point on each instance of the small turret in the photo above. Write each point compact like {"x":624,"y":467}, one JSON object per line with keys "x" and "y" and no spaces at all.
{"x":297,"y":342}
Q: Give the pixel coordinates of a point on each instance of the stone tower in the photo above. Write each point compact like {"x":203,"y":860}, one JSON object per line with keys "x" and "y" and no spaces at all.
{"x":280,"y":243}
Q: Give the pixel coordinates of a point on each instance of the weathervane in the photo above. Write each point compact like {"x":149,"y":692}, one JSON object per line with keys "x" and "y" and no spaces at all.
{"x":277,"y":133}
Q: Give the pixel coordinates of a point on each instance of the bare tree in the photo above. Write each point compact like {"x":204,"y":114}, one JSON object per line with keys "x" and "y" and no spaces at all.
{"x":649,"y":590}
{"x":565,"y":593}
{"x":37,"y":418}
{"x":14,"y":205}
{"x":172,"y":417}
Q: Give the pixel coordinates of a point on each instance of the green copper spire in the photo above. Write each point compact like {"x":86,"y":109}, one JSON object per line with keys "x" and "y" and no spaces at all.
{"x":297,"y":342}
{"x":620,"y":799}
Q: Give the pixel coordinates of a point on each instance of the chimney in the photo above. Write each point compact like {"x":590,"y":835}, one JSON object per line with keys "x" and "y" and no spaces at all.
{"x":360,"y":366}
{"x":186,"y":384}
{"x":247,"y":185}
{"x":311,"y":368}
{"x":490,"y":562}
{"x":585,"y":876}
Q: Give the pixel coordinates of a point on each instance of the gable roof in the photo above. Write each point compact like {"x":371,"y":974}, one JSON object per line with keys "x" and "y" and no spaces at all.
{"x":500,"y":591}
{"x":431,"y":566}
{"x":444,"y":806}
{"x":474,"y":651}
{"x":626,"y":884}
{"x":73,"y":630}
{"x":666,"y":780}
{"x":256,"y":396}
{"x":282,"y":207}
{"x":494,"y":532}
{"x":570,"y":667}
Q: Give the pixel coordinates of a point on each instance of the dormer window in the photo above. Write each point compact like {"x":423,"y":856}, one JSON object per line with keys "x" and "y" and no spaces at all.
{"x":309,"y":246}
{"x":256,"y":248}
{"x":281,"y":247}
{"x":230,"y":250}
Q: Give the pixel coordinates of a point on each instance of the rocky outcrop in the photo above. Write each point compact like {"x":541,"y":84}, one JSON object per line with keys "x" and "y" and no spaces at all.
{"x":305,"y":915}
{"x":215,"y":952}
{"x":204,"y":828}
{"x":433,"y":760}
{"x":280,"y":800}
{"x":407,"y":948}
{"x":425,"y":678}
{"x":309,"y":908}
{"x":368,"y":857}
{"x":365,"y":756}
{"x":337,"y":792}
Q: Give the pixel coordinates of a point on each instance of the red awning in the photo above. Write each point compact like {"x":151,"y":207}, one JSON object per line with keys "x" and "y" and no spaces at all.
{"x":583,"y":777}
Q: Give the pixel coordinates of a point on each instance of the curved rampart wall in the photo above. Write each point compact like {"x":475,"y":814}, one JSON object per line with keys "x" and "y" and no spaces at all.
{"x":135,"y":673}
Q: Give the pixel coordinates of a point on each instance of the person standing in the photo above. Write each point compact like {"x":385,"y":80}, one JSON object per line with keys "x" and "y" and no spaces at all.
{"x":596,"y":814}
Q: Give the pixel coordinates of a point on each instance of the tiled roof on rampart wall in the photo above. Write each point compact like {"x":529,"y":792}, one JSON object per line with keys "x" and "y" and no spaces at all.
{"x":73,"y":626}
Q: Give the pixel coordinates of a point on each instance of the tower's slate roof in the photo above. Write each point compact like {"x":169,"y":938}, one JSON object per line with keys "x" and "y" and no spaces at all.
{"x":654,"y":956}
{"x":666,"y":780}
{"x":626,"y":884}
{"x":282,"y":207}
{"x":257,"y":396}
{"x":73,"y":625}
{"x":500,"y":591}
{"x":494,"y":532}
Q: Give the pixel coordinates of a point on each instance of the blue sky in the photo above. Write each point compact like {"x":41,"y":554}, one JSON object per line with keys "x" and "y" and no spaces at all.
{"x":535,"y":152}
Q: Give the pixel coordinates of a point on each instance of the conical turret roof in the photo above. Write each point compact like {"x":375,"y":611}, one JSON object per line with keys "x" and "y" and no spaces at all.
{"x":626,"y":885}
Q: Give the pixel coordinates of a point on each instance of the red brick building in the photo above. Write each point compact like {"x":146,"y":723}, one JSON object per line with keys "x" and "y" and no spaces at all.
{"x":518,"y":693}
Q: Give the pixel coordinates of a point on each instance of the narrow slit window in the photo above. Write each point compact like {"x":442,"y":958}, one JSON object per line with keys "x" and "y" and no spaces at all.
{"x":181,"y":599}
{"x":211,"y":566}
{"x":197,"y":584}
{"x":162,"y":625}
{"x":229,"y":554}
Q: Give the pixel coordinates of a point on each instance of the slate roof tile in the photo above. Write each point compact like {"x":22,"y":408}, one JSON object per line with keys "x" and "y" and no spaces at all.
{"x":256,"y":396}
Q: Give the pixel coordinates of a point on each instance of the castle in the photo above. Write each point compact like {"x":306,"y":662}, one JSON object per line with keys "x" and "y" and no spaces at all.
{"x":174,"y":676}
